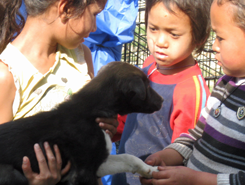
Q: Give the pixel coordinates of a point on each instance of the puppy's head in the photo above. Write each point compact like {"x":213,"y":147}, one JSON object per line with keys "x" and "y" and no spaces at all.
{"x":132,"y":89}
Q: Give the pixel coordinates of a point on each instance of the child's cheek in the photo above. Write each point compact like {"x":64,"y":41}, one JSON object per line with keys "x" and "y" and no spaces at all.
{"x":151,"y":44}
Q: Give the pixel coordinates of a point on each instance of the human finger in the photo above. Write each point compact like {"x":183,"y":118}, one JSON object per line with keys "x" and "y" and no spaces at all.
{"x":66,"y":168}
{"x":162,"y":168}
{"x":150,"y":162}
{"x":145,"y":181}
{"x":59,"y":161}
{"x":110,"y":121}
{"x":160,"y":182}
{"x":26,"y":167}
{"x":52,"y":163}
{"x":160,"y":175}
{"x":58,"y":157}
{"x":43,"y":166}
{"x":109,"y":125}
{"x":154,"y":160}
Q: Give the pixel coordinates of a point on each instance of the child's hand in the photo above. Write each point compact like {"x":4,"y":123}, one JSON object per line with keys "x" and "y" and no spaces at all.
{"x":175,"y":175}
{"x":179,"y":175}
{"x":169,"y":175}
{"x":109,"y":125}
{"x":155,"y":159}
{"x":50,"y":173}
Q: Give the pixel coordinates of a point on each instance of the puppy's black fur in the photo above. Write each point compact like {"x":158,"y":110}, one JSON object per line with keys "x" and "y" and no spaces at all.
{"x":119,"y":88}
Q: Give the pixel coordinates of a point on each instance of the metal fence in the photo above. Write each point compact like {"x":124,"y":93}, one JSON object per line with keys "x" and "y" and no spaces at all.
{"x":136,"y":52}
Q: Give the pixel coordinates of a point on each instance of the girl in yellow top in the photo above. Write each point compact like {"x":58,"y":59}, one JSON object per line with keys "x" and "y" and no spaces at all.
{"x":45,"y":64}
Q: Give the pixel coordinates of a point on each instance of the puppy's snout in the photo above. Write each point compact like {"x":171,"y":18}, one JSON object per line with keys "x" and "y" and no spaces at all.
{"x":162,"y":100}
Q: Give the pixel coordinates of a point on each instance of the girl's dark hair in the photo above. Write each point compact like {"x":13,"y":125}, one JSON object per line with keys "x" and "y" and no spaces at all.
{"x":198,"y":12}
{"x":238,"y":13}
{"x":9,"y":28}
{"x":9,"y":16}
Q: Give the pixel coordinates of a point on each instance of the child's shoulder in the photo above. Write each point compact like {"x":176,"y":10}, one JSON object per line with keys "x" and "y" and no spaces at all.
{"x":149,"y":60}
{"x":224,"y":79}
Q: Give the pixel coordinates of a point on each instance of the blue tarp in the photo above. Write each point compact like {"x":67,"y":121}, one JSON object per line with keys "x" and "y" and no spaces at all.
{"x":115,"y":26}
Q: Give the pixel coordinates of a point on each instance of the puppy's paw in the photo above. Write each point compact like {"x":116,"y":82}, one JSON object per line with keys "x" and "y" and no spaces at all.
{"x":154,"y":169}
{"x":147,"y":173}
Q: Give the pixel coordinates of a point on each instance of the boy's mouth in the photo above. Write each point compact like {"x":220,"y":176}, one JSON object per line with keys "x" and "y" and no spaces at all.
{"x":160,"y":56}
{"x":219,"y":63}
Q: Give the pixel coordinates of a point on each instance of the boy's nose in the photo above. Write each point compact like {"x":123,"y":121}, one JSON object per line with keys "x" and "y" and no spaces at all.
{"x":215,"y":46}
{"x":162,"y":41}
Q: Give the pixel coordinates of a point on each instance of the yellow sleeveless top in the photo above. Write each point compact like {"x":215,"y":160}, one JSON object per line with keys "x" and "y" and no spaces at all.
{"x":36,"y":92}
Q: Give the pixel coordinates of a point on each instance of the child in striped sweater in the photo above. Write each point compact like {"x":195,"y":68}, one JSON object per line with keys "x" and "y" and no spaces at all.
{"x":214,"y":150}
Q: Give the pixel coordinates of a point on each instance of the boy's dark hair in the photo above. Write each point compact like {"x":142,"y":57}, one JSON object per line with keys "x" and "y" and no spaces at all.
{"x":238,"y":13}
{"x":198,"y":12}
{"x":9,"y":28}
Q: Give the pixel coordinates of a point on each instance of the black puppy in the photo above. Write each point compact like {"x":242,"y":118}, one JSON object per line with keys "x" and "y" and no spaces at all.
{"x":119,"y":88}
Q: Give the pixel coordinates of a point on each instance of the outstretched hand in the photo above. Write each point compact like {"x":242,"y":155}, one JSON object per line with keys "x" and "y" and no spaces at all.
{"x":109,"y":125}
{"x":50,"y":172}
{"x":179,"y":175}
{"x":170,"y":175}
{"x":153,"y":160}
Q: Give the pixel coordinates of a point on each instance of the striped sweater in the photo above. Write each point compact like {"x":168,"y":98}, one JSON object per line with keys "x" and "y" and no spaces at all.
{"x":217,"y":143}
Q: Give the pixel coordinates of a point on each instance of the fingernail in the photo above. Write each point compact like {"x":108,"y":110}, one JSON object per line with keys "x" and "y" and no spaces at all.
{"x":37,"y":146}
{"x":25,"y":160}
{"x":46,"y":144}
{"x":55,"y":146}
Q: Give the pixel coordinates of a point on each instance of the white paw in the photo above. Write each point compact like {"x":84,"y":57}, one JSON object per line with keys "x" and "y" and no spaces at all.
{"x":147,"y":172}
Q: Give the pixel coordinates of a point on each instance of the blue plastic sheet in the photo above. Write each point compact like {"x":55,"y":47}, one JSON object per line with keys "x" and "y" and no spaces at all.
{"x":23,"y":10}
{"x":115,"y":26}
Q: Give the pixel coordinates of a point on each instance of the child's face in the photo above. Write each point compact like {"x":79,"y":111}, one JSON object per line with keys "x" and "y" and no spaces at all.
{"x":80,"y":27}
{"x":169,"y":35}
{"x":229,"y":44}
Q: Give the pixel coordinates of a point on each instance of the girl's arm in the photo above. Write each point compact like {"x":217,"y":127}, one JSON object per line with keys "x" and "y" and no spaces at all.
{"x":7,"y":94}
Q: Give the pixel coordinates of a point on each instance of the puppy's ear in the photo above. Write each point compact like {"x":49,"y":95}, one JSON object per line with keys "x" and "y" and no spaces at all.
{"x":135,"y":88}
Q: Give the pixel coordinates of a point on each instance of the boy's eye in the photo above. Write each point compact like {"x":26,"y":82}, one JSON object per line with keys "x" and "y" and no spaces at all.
{"x":175,"y":35}
{"x":152,"y":28}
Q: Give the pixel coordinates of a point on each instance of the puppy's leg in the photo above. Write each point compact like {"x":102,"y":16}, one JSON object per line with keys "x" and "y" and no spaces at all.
{"x":125,"y":163}
{"x":10,"y":176}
